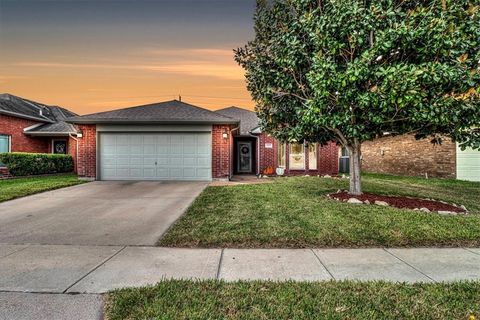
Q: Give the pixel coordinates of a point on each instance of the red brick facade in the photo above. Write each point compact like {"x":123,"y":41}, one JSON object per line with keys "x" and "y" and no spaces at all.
{"x":13,"y":127}
{"x":403,"y":155}
{"x":20,"y":142}
{"x":222,"y":152}
{"x":267,"y":157}
{"x":87,"y":151}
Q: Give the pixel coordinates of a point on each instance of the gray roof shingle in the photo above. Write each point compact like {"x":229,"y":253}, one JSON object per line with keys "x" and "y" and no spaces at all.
{"x":52,"y":117}
{"x":163,"y":112}
{"x":248,"y":119}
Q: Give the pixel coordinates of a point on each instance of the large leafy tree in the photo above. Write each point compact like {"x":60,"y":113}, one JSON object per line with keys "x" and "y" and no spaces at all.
{"x":352,"y":70}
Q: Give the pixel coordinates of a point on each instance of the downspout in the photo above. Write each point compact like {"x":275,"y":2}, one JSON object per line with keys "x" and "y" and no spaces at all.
{"x":76,"y":152}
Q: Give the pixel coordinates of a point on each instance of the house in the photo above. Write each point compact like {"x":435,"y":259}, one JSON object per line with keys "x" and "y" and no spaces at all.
{"x":404,"y":155}
{"x":175,"y":140}
{"x":29,"y":126}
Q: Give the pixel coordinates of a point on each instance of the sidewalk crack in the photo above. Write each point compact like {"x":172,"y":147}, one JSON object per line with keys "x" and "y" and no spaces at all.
{"x":95,"y":268}
{"x":323,"y":264}
{"x":468,"y":249}
{"x":219,"y":265}
{"x":408,"y":264}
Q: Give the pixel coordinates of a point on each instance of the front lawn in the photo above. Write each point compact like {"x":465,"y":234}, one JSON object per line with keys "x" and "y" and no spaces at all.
{"x":295,"y":212}
{"x":15,"y":188}
{"x":176,"y":299}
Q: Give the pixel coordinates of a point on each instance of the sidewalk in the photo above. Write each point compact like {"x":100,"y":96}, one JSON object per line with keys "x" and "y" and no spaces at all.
{"x":99,"y":269}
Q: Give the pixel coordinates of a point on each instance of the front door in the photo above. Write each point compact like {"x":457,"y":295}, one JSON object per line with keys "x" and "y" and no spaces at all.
{"x":244,"y":152}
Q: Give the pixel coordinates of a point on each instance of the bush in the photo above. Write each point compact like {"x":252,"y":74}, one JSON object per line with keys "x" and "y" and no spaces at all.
{"x":27,"y":164}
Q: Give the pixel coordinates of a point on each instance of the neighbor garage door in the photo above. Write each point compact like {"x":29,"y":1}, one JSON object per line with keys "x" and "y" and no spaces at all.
{"x":468,"y":164}
{"x":155,"y":156}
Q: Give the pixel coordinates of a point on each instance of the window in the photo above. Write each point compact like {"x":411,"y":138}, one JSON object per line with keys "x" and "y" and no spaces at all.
{"x":59,"y":146}
{"x":281,"y":155}
{"x":312,"y":156}
{"x":4,"y":143}
{"x":297,"y":156}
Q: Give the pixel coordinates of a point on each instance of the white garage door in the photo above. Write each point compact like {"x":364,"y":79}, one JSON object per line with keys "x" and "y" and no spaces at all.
{"x":155,"y":156}
{"x":468,"y":164}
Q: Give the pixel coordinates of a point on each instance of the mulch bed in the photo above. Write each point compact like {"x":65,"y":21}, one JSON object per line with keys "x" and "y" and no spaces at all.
{"x":400,"y":202}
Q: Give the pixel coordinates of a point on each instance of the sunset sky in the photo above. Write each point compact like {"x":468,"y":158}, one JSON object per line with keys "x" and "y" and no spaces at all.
{"x":91,"y":56}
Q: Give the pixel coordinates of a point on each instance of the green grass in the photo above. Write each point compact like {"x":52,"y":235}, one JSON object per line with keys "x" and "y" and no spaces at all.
{"x":15,"y":188}
{"x":176,"y":299}
{"x":295,"y":212}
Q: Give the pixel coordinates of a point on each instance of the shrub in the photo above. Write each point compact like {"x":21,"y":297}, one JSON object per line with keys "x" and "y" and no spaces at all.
{"x":26,"y":164}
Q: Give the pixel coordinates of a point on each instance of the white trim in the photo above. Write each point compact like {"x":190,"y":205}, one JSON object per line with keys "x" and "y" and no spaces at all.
{"x":33,"y":127}
{"x":153,"y":128}
{"x":316,"y":157}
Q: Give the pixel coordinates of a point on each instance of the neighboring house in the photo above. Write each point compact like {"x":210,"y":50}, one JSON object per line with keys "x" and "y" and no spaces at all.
{"x":404,"y":155}
{"x":174,"y":140}
{"x":28,"y":126}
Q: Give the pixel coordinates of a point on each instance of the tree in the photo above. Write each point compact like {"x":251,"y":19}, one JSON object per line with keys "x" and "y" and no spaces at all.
{"x":352,"y":70}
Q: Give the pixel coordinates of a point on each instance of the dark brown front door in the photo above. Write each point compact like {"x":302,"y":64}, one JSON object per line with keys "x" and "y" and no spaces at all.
{"x":244,"y":154}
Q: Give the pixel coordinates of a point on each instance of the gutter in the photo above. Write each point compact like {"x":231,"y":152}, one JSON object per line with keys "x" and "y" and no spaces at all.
{"x":128,"y":121}
{"x":48,"y":134}
{"x":76,"y":151}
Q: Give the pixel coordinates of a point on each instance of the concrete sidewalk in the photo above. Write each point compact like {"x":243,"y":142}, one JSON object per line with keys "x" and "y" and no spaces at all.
{"x":99,"y":269}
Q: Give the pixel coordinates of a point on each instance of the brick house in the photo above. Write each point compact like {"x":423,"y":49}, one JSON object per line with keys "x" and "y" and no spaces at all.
{"x":404,"y":155}
{"x":28,"y":126}
{"x":174,"y":140}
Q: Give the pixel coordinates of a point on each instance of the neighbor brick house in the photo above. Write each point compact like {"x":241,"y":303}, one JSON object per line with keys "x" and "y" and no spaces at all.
{"x":174,"y":140}
{"x":404,"y":155}
{"x":28,"y":126}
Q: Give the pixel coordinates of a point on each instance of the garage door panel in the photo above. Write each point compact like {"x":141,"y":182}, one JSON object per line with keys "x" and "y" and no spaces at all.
{"x":134,"y":149}
{"x":189,"y":162}
{"x":203,"y":150}
{"x":109,"y":149}
{"x":177,"y":156}
{"x":162,"y":173}
{"x":155,"y":156}
{"x":122,"y":149}
{"x":203,"y":162}
{"x":202,"y":172}
{"x":175,"y":172}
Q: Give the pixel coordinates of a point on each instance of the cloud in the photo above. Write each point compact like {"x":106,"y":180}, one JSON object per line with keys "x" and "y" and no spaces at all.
{"x":202,"y":62}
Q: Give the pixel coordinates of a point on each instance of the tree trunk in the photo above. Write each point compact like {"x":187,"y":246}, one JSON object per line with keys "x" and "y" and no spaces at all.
{"x":355,"y":169}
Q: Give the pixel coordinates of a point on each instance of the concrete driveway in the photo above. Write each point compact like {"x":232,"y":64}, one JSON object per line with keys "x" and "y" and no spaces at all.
{"x":97,"y":213}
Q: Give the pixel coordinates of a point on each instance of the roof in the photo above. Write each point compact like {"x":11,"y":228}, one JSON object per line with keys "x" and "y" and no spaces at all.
{"x":163,"y":112}
{"x":51,"y":118}
{"x":248,"y":119}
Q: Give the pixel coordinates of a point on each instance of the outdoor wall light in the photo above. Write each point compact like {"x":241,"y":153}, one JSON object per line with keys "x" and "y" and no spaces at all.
{"x":225,"y":134}
{"x":80,"y":134}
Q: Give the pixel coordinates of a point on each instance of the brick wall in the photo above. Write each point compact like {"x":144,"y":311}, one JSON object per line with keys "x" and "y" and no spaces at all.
{"x":328,"y":159}
{"x":20,"y":142}
{"x":403,"y":155}
{"x":267,"y":157}
{"x":222,"y":152}
{"x":87,"y":152}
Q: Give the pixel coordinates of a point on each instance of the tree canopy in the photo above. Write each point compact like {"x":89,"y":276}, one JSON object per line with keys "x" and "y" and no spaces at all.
{"x":352,"y":70}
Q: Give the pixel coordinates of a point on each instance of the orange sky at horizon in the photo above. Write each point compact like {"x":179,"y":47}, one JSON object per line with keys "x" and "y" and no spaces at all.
{"x":213,"y":82}
{"x":91,"y":56}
